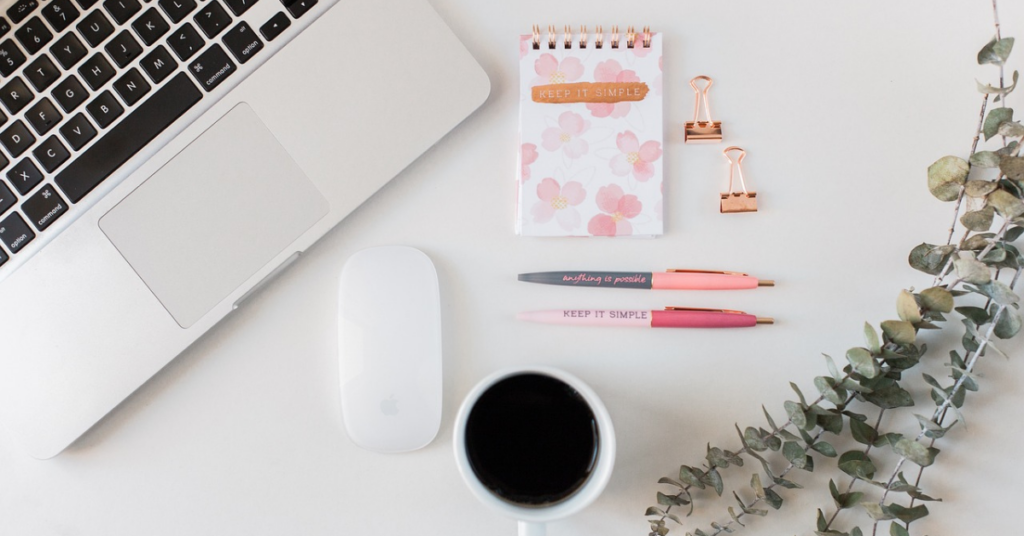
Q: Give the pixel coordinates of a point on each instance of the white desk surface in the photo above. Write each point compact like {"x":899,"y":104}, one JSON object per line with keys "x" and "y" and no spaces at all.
{"x":841,"y":107}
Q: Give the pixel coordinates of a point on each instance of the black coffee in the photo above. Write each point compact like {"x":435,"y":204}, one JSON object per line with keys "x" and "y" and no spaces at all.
{"x":532,"y":439}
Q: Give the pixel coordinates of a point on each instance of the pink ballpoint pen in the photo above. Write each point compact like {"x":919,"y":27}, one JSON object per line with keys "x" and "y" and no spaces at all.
{"x":672,"y":279}
{"x":671,"y":317}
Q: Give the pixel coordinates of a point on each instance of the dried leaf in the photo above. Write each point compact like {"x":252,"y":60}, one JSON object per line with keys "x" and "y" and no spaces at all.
{"x":1011,"y":129}
{"x":878,"y":512}
{"x":983,"y":159}
{"x":995,"y":116}
{"x":947,"y":175}
{"x":899,"y":332}
{"x":755,"y":484}
{"x":1013,"y":167}
{"x":937,"y":299}
{"x":979,"y":220}
{"x":989,"y":89}
{"x":906,"y":307}
{"x":972,"y":270}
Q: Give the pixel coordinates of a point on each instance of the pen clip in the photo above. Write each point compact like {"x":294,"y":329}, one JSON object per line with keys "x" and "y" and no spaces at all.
{"x":679,"y":270}
{"x":727,"y":311}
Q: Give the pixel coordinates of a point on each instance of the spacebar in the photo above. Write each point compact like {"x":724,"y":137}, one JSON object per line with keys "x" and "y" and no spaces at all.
{"x":128,"y":137}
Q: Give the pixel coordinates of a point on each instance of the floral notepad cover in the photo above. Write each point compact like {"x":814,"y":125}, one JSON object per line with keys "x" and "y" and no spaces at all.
{"x":590,"y":140}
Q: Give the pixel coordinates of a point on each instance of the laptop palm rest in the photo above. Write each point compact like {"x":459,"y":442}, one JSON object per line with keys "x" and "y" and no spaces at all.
{"x":209,"y":219}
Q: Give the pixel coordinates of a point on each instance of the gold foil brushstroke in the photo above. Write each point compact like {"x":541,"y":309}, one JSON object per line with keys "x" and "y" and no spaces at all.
{"x":609,"y":92}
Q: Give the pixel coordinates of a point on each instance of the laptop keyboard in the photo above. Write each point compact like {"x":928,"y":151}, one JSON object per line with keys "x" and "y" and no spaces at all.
{"x":88,"y":84}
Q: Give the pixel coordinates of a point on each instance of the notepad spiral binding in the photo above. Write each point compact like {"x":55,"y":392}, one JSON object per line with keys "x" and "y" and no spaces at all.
{"x":613,"y":39}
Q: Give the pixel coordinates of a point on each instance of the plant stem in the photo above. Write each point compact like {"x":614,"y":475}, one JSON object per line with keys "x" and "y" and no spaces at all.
{"x":960,"y":198}
{"x":855,"y":479}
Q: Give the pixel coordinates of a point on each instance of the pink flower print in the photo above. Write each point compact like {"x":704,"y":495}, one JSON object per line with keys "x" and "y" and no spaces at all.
{"x":611,"y":71}
{"x":566,"y":135}
{"x":638,"y":46}
{"x":551,"y":71}
{"x":658,"y":79}
{"x":525,"y":42}
{"x":528,"y":155}
{"x":618,"y":209}
{"x":559,"y":202}
{"x":635,"y":158}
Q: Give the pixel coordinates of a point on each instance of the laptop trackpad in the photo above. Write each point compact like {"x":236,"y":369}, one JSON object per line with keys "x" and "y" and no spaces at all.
{"x":214,"y":215}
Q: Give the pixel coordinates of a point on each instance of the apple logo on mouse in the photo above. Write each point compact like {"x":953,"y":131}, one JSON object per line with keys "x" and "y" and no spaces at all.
{"x":389,"y":406}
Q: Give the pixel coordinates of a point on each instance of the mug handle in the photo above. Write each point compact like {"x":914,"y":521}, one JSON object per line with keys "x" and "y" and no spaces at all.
{"x":531,"y":528}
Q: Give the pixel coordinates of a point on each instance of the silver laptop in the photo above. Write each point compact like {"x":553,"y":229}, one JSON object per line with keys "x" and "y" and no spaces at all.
{"x":162,"y":159}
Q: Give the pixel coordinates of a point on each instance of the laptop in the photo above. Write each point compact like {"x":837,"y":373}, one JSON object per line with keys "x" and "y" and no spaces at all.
{"x":164,"y":159}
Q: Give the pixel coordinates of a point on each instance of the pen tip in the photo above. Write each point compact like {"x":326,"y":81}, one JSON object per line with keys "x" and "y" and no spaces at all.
{"x":765,"y":283}
{"x":765,"y":320}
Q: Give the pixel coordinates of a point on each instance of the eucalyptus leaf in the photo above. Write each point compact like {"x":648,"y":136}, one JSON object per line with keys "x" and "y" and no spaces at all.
{"x":1013,"y":233}
{"x":947,"y":175}
{"x":715,"y":480}
{"x":796,"y":414}
{"x":976,"y":314}
{"x":825,"y":449}
{"x":772,"y":498}
{"x":890,"y":396}
{"x":1000,"y":292}
{"x":654,"y":511}
{"x":755,"y":484}
{"x":972,"y":270}
{"x":771,"y":422}
{"x":670,"y":500}
{"x":832,"y":369}
{"x":995,"y":116}
{"x":896,"y":530}
{"x":937,"y":299}
{"x":1008,"y":323}
{"x":996,"y":51}
{"x":989,"y":89}
{"x":862,"y":362}
{"x":983,"y":159}
{"x":908,"y":515}
{"x":899,"y":332}
{"x":690,"y":477}
{"x":1011,"y":129}
{"x":906,"y":307}
{"x":878,"y":512}
{"x":976,"y":242}
{"x":915,"y":452}
{"x":857,"y":464}
{"x":793,"y":451}
{"x":979,"y":220}
{"x":1013,"y":166}
{"x":672,"y":481}
{"x":863,"y":432}
{"x":1006,"y":203}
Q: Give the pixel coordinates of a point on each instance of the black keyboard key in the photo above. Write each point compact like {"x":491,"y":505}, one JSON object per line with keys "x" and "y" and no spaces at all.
{"x":43,"y":116}
{"x":3,"y":161}
{"x":4,"y":26}
{"x":78,"y":131}
{"x":15,"y":233}
{"x":158,"y":64}
{"x":16,"y":95}
{"x":212,"y":67}
{"x":17,"y":139}
{"x":185,"y":41}
{"x":122,"y":10}
{"x":123,"y":48}
{"x":33,"y":35}
{"x":51,"y":154}
{"x":42,"y":73}
{"x":132,"y":86}
{"x":24,"y":176}
{"x":151,"y":26}
{"x":96,"y":71}
{"x":21,"y":10}
{"x":239,"y":6}
{"x":68,"y":50}
{"x":7,"y":198}
{"x":86,"y":4}
{"x":242,"y":42}
{"x":95,"y":28}
{"x":104,"y":109}
{"x":11,"y":57}
{"x":212,"y":19}
{"x":273,"y":27}
{"x":128,"y":137}
{"x":177,"y":9}
{"x":44,"y":207}
{"x":60,"y":14}
{"x":298,"y":8}
{"x":70,"y":93}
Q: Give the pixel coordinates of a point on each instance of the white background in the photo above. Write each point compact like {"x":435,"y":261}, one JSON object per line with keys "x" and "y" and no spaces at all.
{"x":841,"y":107}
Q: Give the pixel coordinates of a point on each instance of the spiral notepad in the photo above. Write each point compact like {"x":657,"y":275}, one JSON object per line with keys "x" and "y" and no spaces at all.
{"x":590,"y":134}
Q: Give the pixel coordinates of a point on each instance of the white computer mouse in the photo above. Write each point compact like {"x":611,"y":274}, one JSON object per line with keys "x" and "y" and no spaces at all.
{"x":389,"y":337}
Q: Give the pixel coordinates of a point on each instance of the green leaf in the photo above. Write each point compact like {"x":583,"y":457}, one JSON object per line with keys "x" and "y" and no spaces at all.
{"x":793,"y":452}
{"x":772,"y":498}
{"x":788,"y":484}
{"x":976,"y":314}
{"x":979,"y":220}
{"x":889,"y":396}
{"x":1006,"y":203}
{"x":906,"y":307}
{"x":821,"y":523}
{"x":832,"y":369}
{"x":857,"y":464}
{"x":889,"y":439}
{"x":1013,"y":167}
{"x":899,"y":332}
{"x":862,"y":361}
{"x":995,"y":116}
{"x":972,"y":270}
{"x":856,"y":532}
{"x":715,"y":480}
{"x":915,"y":452}
{"x":996,"y":51}
{"x":654,"y":511}
{"x":1008,"y":324}
{"x":1011,"y":129}
{"x":825,"y":387}
{"x":896,"y":530}
{"x":878,"y":512}
{"x":930,"y":259}
{"x":672,"y":481}
{"x":937,"y":299}
{"x":735,"y":518}
{"x":908,"y":515}
{"x":826,"y":449}
{"x":803,"y":401}
{"x":989,"y":89}
{"x":830,"y":423}
{"x":796,"y":414}
{"x":863,"y":432}
{"x":690,"y":476}
{"x":983,"y":159}
{"x":1000,"y":293}
{"x":671,"y":500}
{"x":947,"y":175}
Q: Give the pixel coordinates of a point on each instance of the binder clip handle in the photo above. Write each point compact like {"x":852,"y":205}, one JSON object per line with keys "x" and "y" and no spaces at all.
{"x":701,"y":95}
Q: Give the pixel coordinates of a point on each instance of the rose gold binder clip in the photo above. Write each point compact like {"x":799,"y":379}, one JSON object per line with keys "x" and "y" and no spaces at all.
{"x":733,"y":201}
{"x":706,"y":131}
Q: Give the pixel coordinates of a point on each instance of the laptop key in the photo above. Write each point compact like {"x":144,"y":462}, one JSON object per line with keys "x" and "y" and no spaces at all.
{"x":137,"y":129}
{"x":70,"y":93}
{"x":15,"y":233}
{"x":86,"y":4}
{"x":11,"y":57}
{"x":104,"y":109}
{"x":131,"y":87}
{"x":4,"y":26}
{"x":21,"y":10}
{"x":16,"y":95}
{"x":43,"y":116}
{"x":212,"y":19}
{"x":78,"y":131}
{"x":24,"y":176}
{"x":298,"y":8}
{"x":33,"y":35}
{"x":60,"y":14}
{"x":242,"y":42}
{"x":177,"y":9}
{"x":239,"y":6}
{"x":44,"y":207}
{"x":95,"y":28}
{"x":123,"y":48}
{"x":150,"y":26}
{"x":212,"y":67}
{"x":122,"y":10}
{"x":17,"y":139}
{"x":3,"y":161}
{"x":42,"y":73}
{"x":158,"y":64}
{"x":273,"y":27}
{"x":96,"y":71}
{"x":7,"y":198}
{"x":51,"y":154}
{"x":185,"y":42}
{"x":68,"y":50}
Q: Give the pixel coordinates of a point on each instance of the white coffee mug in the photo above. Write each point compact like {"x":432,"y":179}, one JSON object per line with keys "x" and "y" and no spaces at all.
{"x":532,"y":518}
